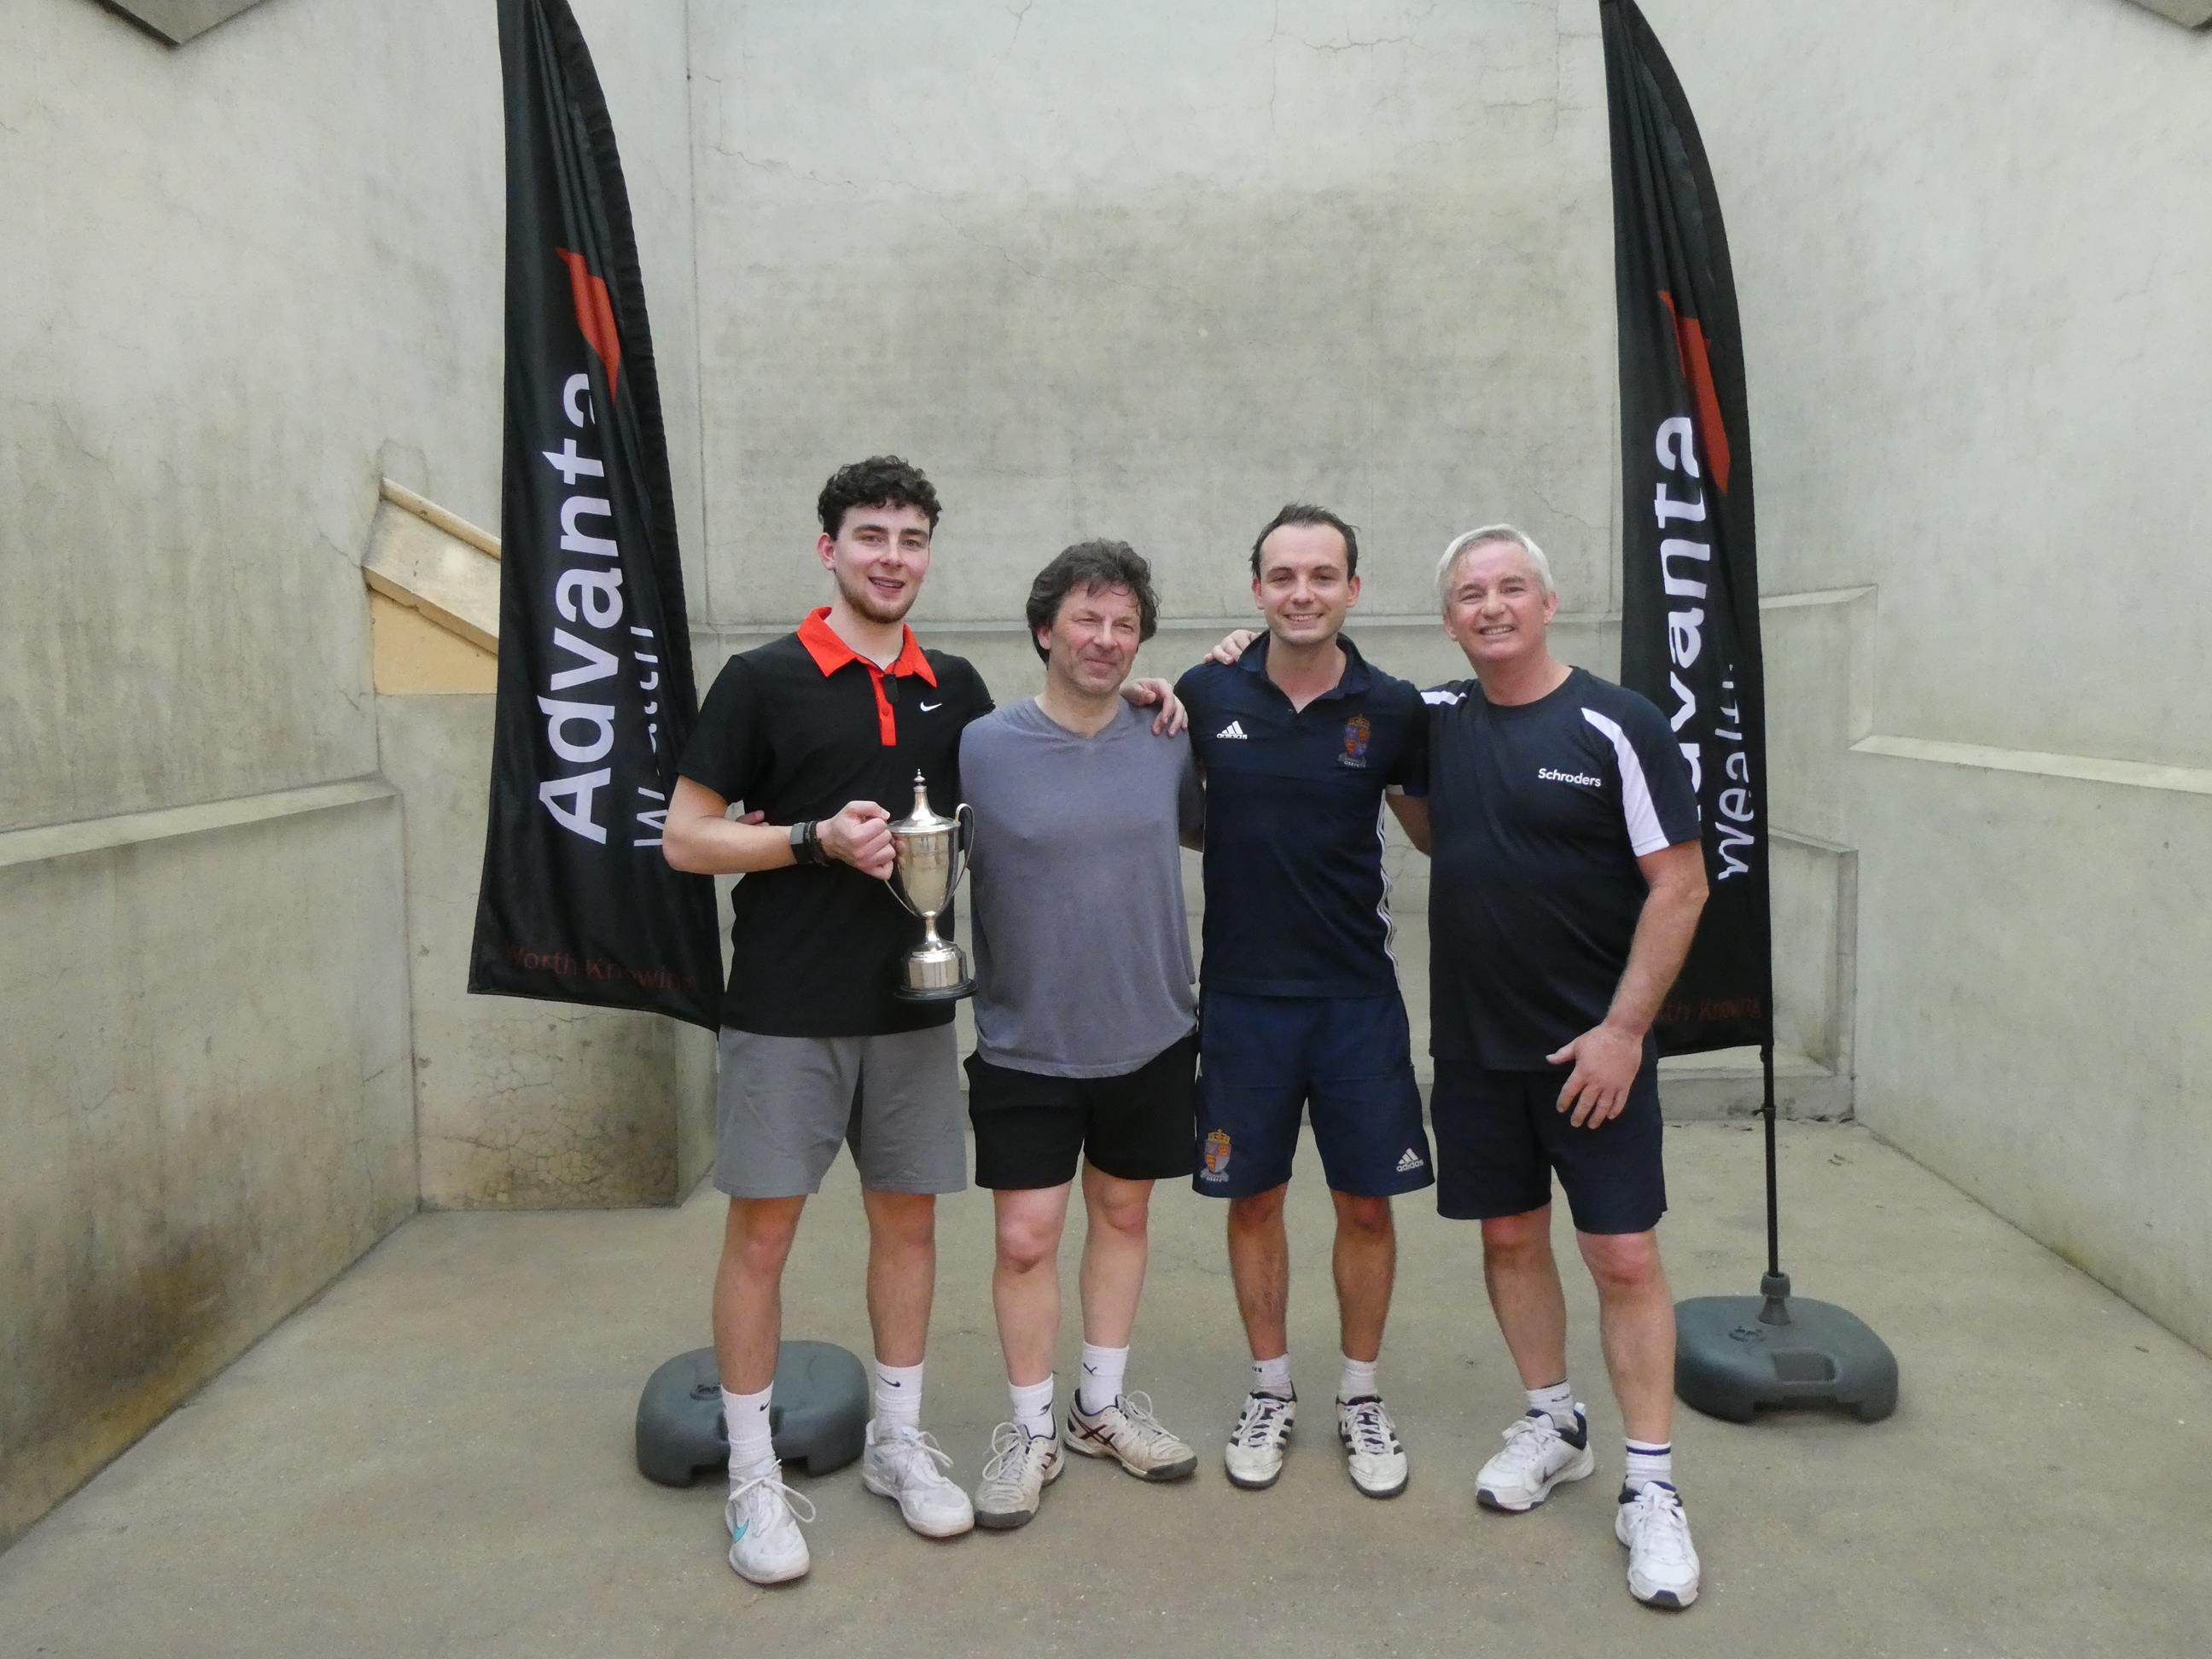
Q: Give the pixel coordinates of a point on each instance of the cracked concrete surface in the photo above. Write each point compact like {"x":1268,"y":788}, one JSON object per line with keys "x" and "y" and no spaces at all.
{"x":435,"y":1459}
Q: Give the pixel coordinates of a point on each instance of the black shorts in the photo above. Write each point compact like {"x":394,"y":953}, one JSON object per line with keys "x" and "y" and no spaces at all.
{"x":1501,"y":1134}
{"x":1032,"y":1130}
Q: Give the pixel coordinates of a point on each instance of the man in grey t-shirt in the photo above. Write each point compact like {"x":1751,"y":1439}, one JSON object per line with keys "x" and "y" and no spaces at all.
{"x":1085,"y":1017}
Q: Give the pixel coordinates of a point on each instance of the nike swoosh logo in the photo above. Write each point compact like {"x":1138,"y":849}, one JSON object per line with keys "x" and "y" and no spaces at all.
{"x":927,"y":707}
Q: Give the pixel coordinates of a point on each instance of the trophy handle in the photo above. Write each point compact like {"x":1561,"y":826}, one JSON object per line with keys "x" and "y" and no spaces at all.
{"x":962,"y":847}
{"x":898,"y":892}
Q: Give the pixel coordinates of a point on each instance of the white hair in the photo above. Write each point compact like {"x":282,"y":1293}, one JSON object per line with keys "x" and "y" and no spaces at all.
{"x":1447,"y":565}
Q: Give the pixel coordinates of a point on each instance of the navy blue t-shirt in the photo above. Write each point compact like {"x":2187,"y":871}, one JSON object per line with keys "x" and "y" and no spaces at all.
{"x":1538,"y":814}
{"x":1296,"y":901}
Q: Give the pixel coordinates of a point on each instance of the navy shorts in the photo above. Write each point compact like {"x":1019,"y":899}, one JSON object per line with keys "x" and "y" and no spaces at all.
{"x":1501,"y":1134}
{"x":1263,"y":1061}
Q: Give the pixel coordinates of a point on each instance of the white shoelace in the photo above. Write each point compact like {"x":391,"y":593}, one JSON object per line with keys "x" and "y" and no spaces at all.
{"x":1262,"y":1419}
{"x":1529,"y":1442}
{"x":772,"y":1489}
{"x":920,"y":1461}
{"x":1137,"y":1412}
{"x":1661,"y":1529}
{"x":1010,"y":1447}
{"x":1372,"y":1432}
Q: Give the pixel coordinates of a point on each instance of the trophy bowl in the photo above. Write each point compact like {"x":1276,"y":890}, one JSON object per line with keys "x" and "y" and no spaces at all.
{"x":929,"y":856}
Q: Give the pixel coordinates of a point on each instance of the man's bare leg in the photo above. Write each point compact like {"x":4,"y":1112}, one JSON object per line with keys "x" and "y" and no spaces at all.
{"x":902,"y":1272}
{"x":757,"y":1238}
{"x":1366,"y":1266}
{"x":1523,"y":1281}
{"x":1636,"y":1318}
{"x":1115,"y":1250}
{"x":1550,"y":1443}
{"x":1025,"y":1279}
{"x":1259,"y":1268}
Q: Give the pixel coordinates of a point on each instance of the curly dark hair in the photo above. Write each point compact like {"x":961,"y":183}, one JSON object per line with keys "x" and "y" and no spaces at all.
{"x":1305,"y":512}
{"x":1088,"y":565}
{"x":879,"y":481}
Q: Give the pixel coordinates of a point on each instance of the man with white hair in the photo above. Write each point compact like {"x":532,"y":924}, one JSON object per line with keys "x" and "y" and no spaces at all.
{"x":1567,"y":882}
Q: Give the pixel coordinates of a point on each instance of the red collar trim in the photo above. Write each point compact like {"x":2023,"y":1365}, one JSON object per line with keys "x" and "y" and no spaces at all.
{"x":831,"y":654}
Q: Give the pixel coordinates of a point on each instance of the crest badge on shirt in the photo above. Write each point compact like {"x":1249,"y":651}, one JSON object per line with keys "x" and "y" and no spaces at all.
{"x":1357,"y":733}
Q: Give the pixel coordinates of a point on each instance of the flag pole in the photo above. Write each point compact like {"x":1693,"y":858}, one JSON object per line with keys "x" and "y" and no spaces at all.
{"x":1690,"y":641}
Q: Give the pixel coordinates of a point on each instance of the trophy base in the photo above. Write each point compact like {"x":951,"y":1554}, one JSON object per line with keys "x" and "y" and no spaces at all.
{"x":937,"y":973}
{"x":940,"y":994}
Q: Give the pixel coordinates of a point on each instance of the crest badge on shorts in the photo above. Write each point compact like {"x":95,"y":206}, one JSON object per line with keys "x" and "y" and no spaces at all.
{"x":1357,"y":733}
{"x":1216,"y":1155}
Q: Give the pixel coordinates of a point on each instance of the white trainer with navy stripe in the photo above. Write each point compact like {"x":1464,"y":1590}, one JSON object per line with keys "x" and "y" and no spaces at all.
{"x":1662,"y":1563}
{"x":1537,"y":1456}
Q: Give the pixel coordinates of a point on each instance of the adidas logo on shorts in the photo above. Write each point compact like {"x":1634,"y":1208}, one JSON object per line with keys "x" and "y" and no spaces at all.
{"x":1233,"y":729}
{"x":1410,"y":1161}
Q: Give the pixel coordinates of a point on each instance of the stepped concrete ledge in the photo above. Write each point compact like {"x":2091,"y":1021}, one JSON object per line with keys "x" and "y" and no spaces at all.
{"x":435,"y":1458}
{"x":433,"y":597}
{"x":430,"y":561}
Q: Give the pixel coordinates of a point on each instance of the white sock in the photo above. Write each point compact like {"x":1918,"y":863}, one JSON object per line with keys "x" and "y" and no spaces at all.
{"x":1273,"y":1376}
{"x":1033,"y":1407}
{"x":1556,"y":1403}
{"x":1103,"y":1371}
{"x":1357,"y":1380}
{"x":751,"y":1451}
{"x":1648,"y":1462}
{"x":898,"y":1398}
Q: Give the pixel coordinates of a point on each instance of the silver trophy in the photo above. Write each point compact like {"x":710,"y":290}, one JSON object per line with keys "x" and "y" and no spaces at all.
{"x":929,"y":854}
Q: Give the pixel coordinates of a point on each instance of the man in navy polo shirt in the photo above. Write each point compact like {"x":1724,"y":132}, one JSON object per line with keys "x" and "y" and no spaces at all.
{"x":1299,"y":739}
{"x":1567,"y":884}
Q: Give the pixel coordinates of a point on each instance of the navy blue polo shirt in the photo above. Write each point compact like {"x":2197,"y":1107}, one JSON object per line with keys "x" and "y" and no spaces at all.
{"x":1296,"y":904}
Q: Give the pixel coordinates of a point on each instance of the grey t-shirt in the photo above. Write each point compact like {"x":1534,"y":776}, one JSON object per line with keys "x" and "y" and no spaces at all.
{"x":1083,"y":963}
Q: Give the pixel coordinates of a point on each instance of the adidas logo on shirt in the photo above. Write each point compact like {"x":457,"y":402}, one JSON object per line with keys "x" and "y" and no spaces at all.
{"x":1234,"y":729}
{"x":1410,"y":1161}
{"x":1583,"y":778}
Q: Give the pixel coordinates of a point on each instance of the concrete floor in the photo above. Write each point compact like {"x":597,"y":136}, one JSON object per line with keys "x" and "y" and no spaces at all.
{"x":434,"y":1458}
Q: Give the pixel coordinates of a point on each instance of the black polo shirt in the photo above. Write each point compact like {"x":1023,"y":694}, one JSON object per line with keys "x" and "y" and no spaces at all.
{"x":1296,"y":904}
{"x":797,"y":728}
{"x":1539,"y":812}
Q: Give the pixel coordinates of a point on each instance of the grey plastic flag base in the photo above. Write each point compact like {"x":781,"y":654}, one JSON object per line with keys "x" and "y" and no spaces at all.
{"x":1732,"y":1356}
{"x":818,"y":1415}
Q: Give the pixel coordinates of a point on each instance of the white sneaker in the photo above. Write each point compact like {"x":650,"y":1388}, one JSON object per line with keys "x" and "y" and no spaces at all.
{"x":1537,"y":1457}
{"x":1022,"y":1466}
{"x":909,"y":1466}
{"x":1127,"y":1432}
{"x":762,"y":1516}
{"x":1371,"y":1450}
{"x":1662,"y":1563}
{"x":1254,"y":1452}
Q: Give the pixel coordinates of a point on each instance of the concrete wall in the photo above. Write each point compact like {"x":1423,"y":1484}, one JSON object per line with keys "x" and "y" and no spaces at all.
{"x":1149,"y":269}
{"x":246,"y":277}
{"x":522,"y":1104}
{"x":1971,"y":253}
{"x":204,"y":1119}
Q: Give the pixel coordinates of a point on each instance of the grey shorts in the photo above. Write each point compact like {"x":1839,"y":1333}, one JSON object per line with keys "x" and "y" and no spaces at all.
{"x":785,"y":1102}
